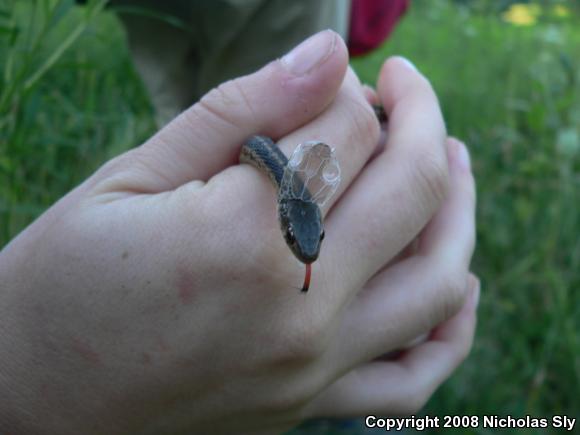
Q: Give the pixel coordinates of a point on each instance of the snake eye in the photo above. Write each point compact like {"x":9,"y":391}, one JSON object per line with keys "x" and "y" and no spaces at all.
{"x":322,"y":236}
{"x":290,"y":235}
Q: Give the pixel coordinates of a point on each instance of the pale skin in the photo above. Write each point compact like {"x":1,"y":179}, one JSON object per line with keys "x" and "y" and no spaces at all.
{"x":159,"y":296}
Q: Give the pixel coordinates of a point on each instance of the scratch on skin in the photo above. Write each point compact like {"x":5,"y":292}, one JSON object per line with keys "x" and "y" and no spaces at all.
{"x":185,"y":285}
{"x":86,"y":352}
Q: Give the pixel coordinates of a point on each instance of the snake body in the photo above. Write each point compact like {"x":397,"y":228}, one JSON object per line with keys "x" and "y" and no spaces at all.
{"x":300,"y":219}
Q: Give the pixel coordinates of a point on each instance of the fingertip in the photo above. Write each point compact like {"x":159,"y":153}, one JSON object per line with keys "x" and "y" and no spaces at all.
{"x":303,"y":95}
{"x":405,"y":62}
{"x":370,"y":94}
{"x":400,"y":64}
{"x":471,"y":300}
{"x":306,"y":57}
{"x":341,"y":50}
{"x":462,"y":178}
{"x":458,"y":154}
{"x":460,"y":328}
{"x":475,"y":286}
{"x":399,"y":76}
{"x":322,"y":53}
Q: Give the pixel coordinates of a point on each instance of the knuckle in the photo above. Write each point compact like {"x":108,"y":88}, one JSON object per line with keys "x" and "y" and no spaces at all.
{"x":223,"y":104}
{"x":432,"y":178}
{"x":452,"y":294}
{"x":133,"y":171}
{"x":216,"y":100}
{"x":304,"y":339}
{"x":303,"y":343}
{"x":243,"y":100}
{"x":122,"y":163}
{"x":292,"y":396}
{"x":365,"y":125}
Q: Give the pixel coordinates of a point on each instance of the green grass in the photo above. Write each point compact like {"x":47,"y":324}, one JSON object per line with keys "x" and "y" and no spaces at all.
{"x":58,"y":124}
{"x":511,"y":93}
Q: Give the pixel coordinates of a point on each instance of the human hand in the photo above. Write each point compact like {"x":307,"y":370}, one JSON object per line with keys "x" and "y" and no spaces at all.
{"x":158,"y":296}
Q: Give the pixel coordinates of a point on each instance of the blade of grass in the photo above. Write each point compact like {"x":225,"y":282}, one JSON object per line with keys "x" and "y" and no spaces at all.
{"x":59,"y":51}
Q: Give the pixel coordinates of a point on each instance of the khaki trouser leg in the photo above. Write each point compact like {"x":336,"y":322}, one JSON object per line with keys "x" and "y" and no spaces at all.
{"x":217,"y":40}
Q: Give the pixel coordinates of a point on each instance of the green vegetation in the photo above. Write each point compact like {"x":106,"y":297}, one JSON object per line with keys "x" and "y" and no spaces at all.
{"x":63,"y":112}
{"x":513,"y":94}
{"x":70,"y":99}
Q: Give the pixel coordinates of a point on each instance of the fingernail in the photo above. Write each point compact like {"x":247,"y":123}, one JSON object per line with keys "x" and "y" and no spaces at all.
{"x":408,"y":63}
{"x":310,"y":53}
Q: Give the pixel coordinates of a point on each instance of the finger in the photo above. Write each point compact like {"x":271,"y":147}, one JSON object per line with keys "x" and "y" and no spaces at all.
{"x":349,"y":125}
{"x":399,"y":190}
{"x":277,"y":99}
{"x":411,"y":297}
{"x":373,"y":99}
{"x":403,"y":386}
{"x":371,"y":95}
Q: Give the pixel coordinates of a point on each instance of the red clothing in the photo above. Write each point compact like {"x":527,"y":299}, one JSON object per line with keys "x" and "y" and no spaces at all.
{"x":371,"y":22}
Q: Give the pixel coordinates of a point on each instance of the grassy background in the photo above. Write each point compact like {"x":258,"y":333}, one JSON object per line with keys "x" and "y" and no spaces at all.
{"x":86,"y":107}
{"x":70,"y":99}
{"x":512,"y":94}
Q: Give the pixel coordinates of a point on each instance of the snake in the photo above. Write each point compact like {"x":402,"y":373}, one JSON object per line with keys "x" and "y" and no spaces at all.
{"x":300,"y":218}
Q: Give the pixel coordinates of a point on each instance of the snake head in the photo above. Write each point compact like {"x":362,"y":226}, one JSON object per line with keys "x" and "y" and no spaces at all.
{"x":301,"y":223}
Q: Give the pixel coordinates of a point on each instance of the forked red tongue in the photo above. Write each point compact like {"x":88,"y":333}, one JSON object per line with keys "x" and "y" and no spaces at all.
{"x":307,"y":278}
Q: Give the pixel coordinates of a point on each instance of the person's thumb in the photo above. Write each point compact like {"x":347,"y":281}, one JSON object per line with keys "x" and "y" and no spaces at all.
{"x":274,"y":101}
